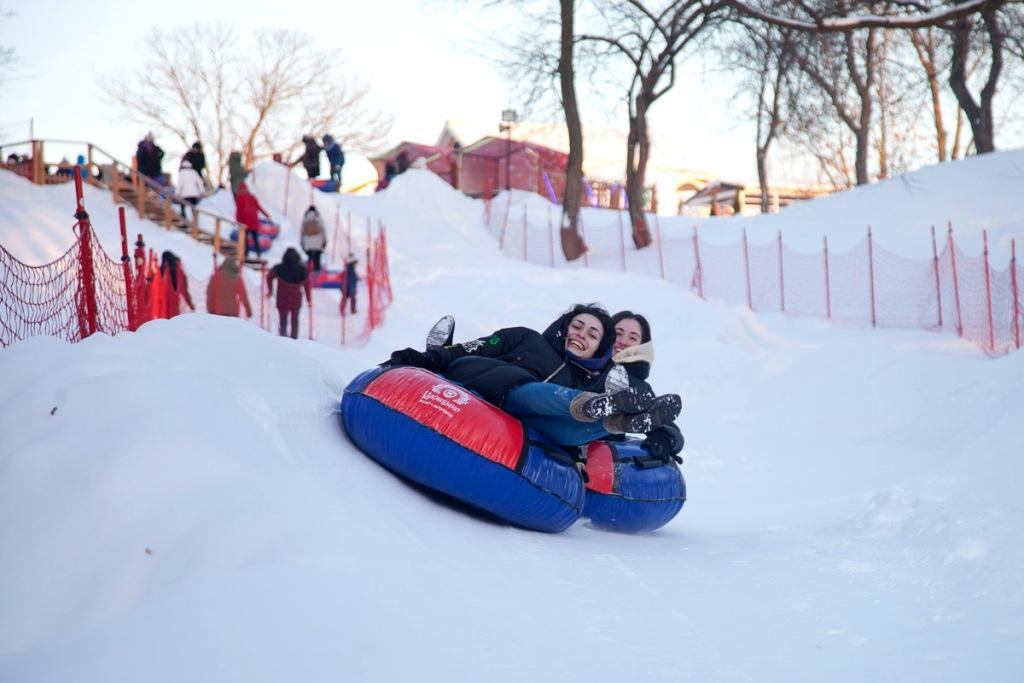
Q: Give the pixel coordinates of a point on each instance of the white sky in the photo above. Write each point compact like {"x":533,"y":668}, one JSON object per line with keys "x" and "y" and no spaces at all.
{"x":422,"y":58}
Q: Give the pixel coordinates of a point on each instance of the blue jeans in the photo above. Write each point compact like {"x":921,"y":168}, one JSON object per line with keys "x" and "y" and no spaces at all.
{"x":545,"y":407}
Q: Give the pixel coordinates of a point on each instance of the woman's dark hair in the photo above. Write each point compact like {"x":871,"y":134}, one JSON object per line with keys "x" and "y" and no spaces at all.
{"x":169,"y":261}
{"x":312,"y":208}
{"x":599,"y":312}
{"x":645,"y":327}
{"x":291,"y":256}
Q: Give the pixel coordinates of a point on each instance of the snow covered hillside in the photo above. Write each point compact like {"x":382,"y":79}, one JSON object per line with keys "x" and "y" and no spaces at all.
{"x":181,"y":503}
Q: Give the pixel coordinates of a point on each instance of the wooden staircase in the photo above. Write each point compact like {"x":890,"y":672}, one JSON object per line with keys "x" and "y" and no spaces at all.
{"x":152,"y":200}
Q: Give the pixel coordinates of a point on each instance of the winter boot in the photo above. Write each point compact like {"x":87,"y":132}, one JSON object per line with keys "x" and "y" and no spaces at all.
{"x":442,"y":333}
{"x":663,"y":411}
{"x":617,"y":379}
{"x":589,"y":407}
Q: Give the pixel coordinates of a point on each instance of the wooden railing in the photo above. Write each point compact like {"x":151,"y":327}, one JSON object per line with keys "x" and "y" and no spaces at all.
{"x":150,"y":197}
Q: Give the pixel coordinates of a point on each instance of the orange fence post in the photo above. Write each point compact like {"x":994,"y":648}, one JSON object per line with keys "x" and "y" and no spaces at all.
{"x":871,"y":277}
{"x":551,"y":239}
{"x":115,"y":184}
{"x":956,"y":283}
{"x":1016,"y":297}
{"x":126,"y":271}
{"x":938,"y":288}
{"x":168,"y":210}
{"x":988,"y":295}
{"x":746,"y":270}
{"x":782,"y":278}
{"x":828,"y":285}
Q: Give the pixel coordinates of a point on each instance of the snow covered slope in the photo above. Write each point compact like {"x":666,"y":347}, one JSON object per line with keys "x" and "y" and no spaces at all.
{"x":181,"y":503}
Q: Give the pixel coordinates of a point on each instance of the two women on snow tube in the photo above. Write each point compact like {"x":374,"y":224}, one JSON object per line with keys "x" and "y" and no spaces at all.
{"x":563,"y":384}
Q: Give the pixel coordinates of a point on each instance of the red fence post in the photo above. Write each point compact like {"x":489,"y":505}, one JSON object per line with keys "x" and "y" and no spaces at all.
{"x":370,"y":297}
{"x":746,"y":270}
{"x":126,"y":270}
{"x":287,"y":187}
{"x":698,"y":269}
{"x":938,"y":288}
{"x":337,"y":225}
{"x":551,"y":239}
{"x":828,"y":285}
{"x":988,"y":295}
{"x":1013,"y":285}
{"x":871,"y":277}
{"x":956,"y":283}
{"x":661,"y":254}
{"x":782,"y":279}
{"x":87,"y":323}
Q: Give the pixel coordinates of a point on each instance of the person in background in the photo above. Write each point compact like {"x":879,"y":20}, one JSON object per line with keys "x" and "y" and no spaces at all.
{"x":65,"y":168}
{"x":314,"y":236}
{"x":294,"y":281}
{"x":190,"y":186}
{"x":247,"y":211}
{"x":402,"y":162}
{"x":310,"y":156}
{"x":175,"y":284}
{"x":389,"y":173}
{"x":336,"y":159}
{"x":149,"y":157}
{"x":196,"y":157}
{"x":226,"y":295}
{"x":236,"y":171}
{"x":349,"y":284}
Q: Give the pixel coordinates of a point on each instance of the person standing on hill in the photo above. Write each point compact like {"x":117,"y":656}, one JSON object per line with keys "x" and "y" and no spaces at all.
{"x":175,"y":284}
{"x":295,"y":281}
{"x":225,"y":295}
{"x":314,"y":236}
{"x":336,"y":158}
{"x":236,"y":171}
{"x":349,"y":284}
{"x":197,"y":158}
{"x":247,"y":211}
{"x":311,"y":156}
{"x":149,"y":157}
{"x":190,"y":186}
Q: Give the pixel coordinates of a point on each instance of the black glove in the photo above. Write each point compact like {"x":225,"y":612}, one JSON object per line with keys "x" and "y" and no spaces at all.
{"x":664,"y":443}
{"x":414,"y":358}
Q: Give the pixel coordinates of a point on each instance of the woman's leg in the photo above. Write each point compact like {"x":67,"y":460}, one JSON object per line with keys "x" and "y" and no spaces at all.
{"x":540,"y":399}
{"x":282,"y":319}
{"x":565,"y":430}
{"x":294,"y":314}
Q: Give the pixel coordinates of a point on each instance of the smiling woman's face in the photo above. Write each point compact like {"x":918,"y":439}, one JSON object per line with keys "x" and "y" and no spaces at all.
{"x":584,"y":335}
{"x":627,"y":333}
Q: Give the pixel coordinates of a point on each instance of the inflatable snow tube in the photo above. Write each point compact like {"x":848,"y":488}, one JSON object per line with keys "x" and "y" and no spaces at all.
{"x":327,"y":279}
{"x":325,"y":184}
{"x":436,"y":433}
{"x":264,"y":241}
{"x":269,"y":228}
{"x":629,"y":490}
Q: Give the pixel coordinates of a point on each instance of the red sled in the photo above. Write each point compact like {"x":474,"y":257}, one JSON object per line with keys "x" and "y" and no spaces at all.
{"x":327,"y":279}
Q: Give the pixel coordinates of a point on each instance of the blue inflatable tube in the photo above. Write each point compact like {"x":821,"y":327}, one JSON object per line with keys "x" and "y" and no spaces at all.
{"x":434,"y":432}
{"x":629,"y":490}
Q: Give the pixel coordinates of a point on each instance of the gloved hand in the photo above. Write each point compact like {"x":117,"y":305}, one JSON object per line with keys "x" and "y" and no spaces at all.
{"x":413,"y":358}
{"x":664,"y":443}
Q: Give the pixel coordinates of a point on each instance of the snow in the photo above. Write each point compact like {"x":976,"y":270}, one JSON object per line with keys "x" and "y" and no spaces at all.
{"x":181,"y":503}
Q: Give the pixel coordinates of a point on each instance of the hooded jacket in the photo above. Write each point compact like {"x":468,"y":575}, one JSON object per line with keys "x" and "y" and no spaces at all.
{"x":190,"y":184}
{"x":314,"y":234}
{"x":492,"y":366}
{"x":226,"y":290}
{"x":248,"y":208}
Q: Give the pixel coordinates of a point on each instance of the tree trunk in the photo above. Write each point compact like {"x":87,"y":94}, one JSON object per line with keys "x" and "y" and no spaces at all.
{"x":926,"y":55}
{"x":762,"y":176}
{"x":572,"y":242}
{"x":637,"y":152}
{"x":979,"y":114}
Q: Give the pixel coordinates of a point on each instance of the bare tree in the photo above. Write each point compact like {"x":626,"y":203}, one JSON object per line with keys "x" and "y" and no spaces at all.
{"x":7,"y":55}
{"x":199,"y":83}
{"x":649,"y":41}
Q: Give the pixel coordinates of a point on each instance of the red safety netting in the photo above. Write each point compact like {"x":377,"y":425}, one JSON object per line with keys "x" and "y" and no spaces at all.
{"x":864,"y":285}
{"x":84,"y":291}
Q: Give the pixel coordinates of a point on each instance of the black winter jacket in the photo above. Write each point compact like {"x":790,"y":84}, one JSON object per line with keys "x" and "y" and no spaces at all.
{"x":492,"y":366}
